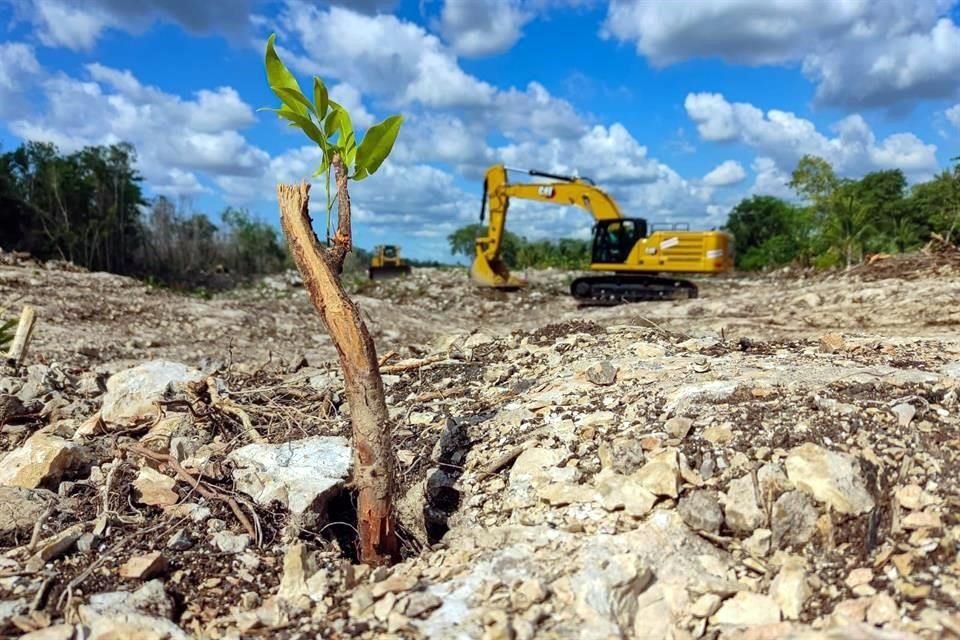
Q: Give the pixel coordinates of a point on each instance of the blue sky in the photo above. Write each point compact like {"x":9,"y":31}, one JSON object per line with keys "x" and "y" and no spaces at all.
{"x":679,"y":109}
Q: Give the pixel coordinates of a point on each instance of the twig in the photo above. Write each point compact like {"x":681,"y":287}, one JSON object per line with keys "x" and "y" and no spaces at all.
{"x":387,"y":357}
{"x":37,"y":527}
{"x":227,"y":406}
{"x":21,"y":340}
{"x":193,"y":482}
{"x":416,"y":364}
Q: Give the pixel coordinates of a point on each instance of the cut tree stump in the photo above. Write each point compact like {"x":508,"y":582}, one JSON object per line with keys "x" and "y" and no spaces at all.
{"x":373,"y":466}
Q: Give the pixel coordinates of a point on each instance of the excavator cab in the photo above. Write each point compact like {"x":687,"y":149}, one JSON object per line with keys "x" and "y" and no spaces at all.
{"x":387,"y":263}
{"x":613,"y":240}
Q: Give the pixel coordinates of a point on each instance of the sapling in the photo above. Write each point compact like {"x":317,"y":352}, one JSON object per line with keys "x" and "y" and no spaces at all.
{"x":343,"y":158}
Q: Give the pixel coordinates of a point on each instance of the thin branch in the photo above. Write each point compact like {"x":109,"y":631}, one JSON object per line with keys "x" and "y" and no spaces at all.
{"x":343,"y":238}
{"x":206,"y":492}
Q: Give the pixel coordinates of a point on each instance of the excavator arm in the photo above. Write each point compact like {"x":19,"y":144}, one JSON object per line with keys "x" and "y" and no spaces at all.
{"x":487,"y":268}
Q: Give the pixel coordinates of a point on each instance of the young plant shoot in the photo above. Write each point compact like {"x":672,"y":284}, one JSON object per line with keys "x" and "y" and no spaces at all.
{"x":329,"y":125}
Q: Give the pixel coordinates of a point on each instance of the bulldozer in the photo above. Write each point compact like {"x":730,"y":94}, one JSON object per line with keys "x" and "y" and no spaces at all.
{"x":387,"y":263}
{"x":631,"y":254}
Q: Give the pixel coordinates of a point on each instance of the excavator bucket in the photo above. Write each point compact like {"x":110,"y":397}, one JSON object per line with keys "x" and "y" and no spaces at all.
{"x":494,"y":273}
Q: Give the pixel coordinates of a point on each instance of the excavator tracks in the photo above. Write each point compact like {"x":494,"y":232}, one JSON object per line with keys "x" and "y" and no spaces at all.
{"x":625,"y":288}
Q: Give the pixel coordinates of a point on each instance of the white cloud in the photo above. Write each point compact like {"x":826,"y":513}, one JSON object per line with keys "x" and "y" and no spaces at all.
{"x":347,"y":96}
{"x":383,"y":56}
{"x":953,"y":115}
{"x":864,"y":53}
{"x":18,"y":67}
{"x":174,"y":137}
{"x":478,"y":28}
{"x":487,"y":27}
{"x":78,"y":26}
{"x":770,"y":179}
{"x":725,"y":174}
{"x":785,"y":137}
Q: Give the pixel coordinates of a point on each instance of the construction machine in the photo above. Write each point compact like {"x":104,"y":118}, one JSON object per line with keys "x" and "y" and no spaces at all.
{"x":632,"y":253}
{"x":387,"y":263}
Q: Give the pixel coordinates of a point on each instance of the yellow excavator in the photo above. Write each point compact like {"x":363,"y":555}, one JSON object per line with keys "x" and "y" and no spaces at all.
{"x":387,"y":263}
{"x":630,"y":252}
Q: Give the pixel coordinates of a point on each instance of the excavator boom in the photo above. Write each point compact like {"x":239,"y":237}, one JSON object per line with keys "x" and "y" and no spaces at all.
{"x":488,"y":269}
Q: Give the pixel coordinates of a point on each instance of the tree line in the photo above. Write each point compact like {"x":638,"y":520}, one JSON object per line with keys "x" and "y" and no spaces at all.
{"x":838,"y":221}
{"x":88,"y":207}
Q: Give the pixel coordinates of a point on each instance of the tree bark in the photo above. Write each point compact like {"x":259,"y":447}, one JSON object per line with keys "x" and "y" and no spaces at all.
{"x":373,"y":472}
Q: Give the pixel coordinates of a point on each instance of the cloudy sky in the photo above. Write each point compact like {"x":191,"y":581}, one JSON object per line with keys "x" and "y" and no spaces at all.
{"x":679,"y":108}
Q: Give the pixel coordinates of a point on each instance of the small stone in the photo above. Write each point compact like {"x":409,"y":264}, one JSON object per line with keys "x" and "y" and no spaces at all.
{"x":706,"y":605}
{"x":155,"y":488}
{"x":747,"y":609}
{"x":421,"y":603}
{"x":758,"y":544}
{"x":55,"y":632}
{"x":831,"y":343}
{"x":741,"y":511}
{"x":913,"y":497}
{"x":55,"y":547}
{"x":180,"y":541}
{"x":790,"y":589}
{"x":559,"y":494}
{"x":86,"y":542}
{"x":794,"y":520}
{"x":678,"y":427}
{"x":623,"y":455}
{"x":20,"y":508}
{"x":922,"y":520}
{"x":231,"y":543}
{"x":859,"y":577}
{"x":660,"y":478}
{"x":132,"y":393}
{"x":383,"y":607}
{"x":397,"y":583}
{"x":904,"y":413}
{"x":397,"y":621}
{"x":829,"y":476}
{"x":144,"y":567}
{"x":850,"y":611}
{"x":422,"y":418}
{"x":297,"y":474}
{"x":249,"y":600}
{"x":912,"y":591}
{"x":41,"y":461}
{"x":602,"y":373}
{"x":718,"y":435}
{"x":883,"y":609}
{"x":700,"y":510}
{"x":527,"y":593}
{"x":904,"y":563}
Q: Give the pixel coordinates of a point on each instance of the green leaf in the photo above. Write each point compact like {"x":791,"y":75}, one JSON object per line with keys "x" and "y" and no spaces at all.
{"x":350,"y":150}
{"x":343,"y":123}
{"x":296,"y":101}
{"x":305,"y":124}
{"x":376,"y":146}
{"x":278,"y":76}
{"x":330,"y":123}
{"x":324,"y":166}
{"x":320,"y":97}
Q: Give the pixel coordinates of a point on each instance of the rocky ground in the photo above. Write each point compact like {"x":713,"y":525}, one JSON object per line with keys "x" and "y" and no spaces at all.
{"x":777,"y":458}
